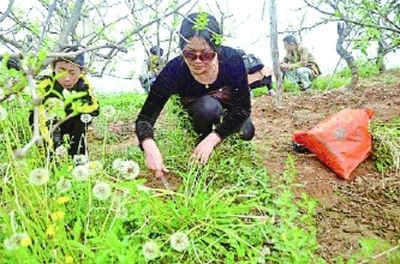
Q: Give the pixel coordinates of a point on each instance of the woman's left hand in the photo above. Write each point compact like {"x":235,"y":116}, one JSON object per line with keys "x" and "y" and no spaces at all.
{"x":204,"y":149}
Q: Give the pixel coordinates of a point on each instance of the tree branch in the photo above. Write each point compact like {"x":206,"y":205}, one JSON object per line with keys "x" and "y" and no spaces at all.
{"x":8,"y":11}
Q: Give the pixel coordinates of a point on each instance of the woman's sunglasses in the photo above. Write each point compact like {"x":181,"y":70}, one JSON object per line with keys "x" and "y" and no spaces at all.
{"x":204,"y":56}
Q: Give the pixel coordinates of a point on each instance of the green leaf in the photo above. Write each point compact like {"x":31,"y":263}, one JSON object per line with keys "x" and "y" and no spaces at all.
{"x":76,"y":231}
{"x":42,"y":55}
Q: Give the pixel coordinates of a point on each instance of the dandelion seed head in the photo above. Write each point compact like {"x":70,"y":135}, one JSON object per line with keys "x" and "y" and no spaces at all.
{"x":16,"y":240}
{"x":261,"y":260}
{"x":80,"y":159}
{"x":3,"y":113}
{"x":116,"y":202}
{"x":117,"y":164}
{"x":179,"y":241}
{"x":63,"y":186}
{"x":61,"y":151}
{"x":94,"y":167}
{"x":265,"y":251}
{"x":122,"y":213}
{"x":80,"y":173}
{"x":86,"y":118}
{"x":109,"y":111}
{"x":101,"y":191}
{"x":129,"y":169}
{"x":150,"y":250}
{"x":39,"y":176}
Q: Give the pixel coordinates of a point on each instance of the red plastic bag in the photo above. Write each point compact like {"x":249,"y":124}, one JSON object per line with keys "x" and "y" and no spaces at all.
{"x":341,"y":141}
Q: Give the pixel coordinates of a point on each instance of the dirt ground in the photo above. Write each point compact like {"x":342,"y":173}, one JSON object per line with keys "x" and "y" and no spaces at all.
{"x":367,"y":206}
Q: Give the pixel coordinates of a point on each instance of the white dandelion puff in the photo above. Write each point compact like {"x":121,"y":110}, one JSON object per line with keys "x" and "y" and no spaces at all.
{"x":2,"y":94}
{"x":3,"y":113}
{"x":109,"y":111}
{"x":86,"y":118}
{"x":101,"y":191}
{"x":11,"y":243}
{"x":265,"y":251}
{"x":179,"y":241}
{"x":129,"y":169}
{"x":122,"y":213}
{"x":117,"y":164}
{"x":80,"y":172}
{"x":63,"y":186}
{"x":261,"y":260}
{"x":39,"y":176}
{"x":150,"y":250}
{"x":116,"y":203}
{"x":80,"y":159}
{"x":94,"y":167}
{"x":14,"y":241}
{"x":61,"y":151}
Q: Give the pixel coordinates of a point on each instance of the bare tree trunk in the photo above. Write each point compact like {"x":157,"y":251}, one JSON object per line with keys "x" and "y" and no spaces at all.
{"x":71,"y":24}
{"x":381,"y":55}
{"x":343,"y":31}
{"x":69,"y":27}
{"x":275,"y":52}
{"x":8,"y":11}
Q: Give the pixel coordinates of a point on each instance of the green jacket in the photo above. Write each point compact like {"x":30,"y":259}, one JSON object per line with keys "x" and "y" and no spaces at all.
{"x":302,"y":57}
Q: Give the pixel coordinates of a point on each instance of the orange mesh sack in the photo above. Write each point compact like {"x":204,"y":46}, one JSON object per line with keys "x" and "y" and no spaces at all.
{"x":341,"y":141}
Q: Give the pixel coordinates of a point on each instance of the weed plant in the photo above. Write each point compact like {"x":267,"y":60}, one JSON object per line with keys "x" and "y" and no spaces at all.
{"x":386,"y":145}
{"x":54,"y":211}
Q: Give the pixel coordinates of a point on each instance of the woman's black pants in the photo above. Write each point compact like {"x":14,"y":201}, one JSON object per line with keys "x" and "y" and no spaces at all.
{"x":208,"y":111}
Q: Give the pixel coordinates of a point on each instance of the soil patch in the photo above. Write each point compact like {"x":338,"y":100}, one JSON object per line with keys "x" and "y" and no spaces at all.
{"x":365,"y":206}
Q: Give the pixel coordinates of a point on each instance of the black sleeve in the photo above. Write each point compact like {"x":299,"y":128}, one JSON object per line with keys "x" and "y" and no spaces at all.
{"x":241,"y":105}
{"x":161,"y":90}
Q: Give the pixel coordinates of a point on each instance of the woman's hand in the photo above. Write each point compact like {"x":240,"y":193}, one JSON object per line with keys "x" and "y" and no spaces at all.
{"x":154,"y":158}
{"x":204,"y":149}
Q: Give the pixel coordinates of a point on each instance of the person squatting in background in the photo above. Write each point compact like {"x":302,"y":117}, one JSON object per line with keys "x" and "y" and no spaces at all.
{"x":151,"y":67}
{"x":258,"y":74}
{"x":299,"y":65}
{"x":67,"y":74}
{"x":211,"y":82}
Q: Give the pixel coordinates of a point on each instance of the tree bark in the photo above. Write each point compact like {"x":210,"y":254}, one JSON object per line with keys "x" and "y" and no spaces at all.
{"x":381,"y":55}
{"x":8,"y":11}
{"x":343,"y":31}
{"x":275,"y":53}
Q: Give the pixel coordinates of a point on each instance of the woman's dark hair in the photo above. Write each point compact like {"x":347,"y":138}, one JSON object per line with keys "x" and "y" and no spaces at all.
{"x":290,"y":39}
{"x":155,"y":50}
{"x":201,"y":25}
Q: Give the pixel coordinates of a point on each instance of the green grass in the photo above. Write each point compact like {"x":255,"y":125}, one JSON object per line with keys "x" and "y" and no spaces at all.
{"x":386,"y":145}
{"x":230,"y":210}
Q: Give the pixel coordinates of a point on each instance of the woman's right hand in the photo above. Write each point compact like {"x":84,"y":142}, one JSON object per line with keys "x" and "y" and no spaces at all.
{"x":154,"y":158}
